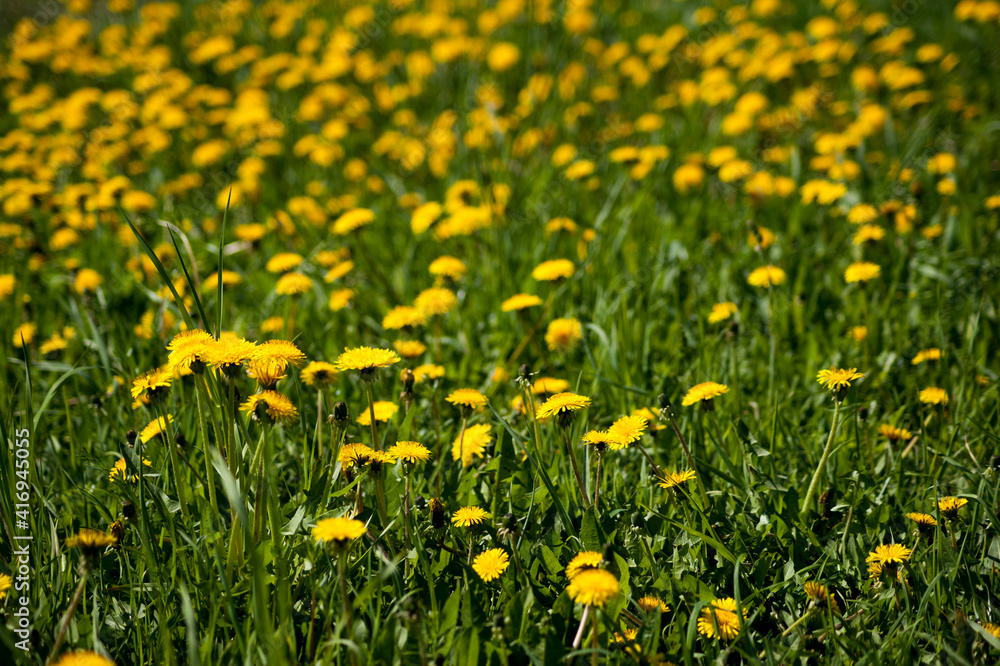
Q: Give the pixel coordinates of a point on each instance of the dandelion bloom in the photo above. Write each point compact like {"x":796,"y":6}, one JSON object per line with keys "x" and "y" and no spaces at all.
{"x":469,"y":515}
{"x":552,"y":270}
{"x":626,"y":430}
{"x":820,"y":595}
{"x":338,"y":530}
{"x":293,"y":284}
{"x":153,"y":383}
{"x":893,"y":553}
{"x":90,"y":542}
{"x":582,"y":561}
{"x":549,"y":386}
{"x":283,"y":262}
{"x":519,"y":302}
{"x":472,"y":443}
{"x":722,"y":312}
{"x":411,"y":452}
{"x":87,"y":279}
{"x":992,"y":628}
{"x":229,"y":353}
{"x":450,"y":267}
{"x":366,"y":360}
{"x":862,"y":214}
{"x":354,"y":455}
{"x":836,"y":379}
{"x":279,"y":352}
{"x":703,"y":392}
{"x":601,"y":440}
{"x":427,"y":371}
{"x":409,"y":348}
{"x":403,"y":316}
{"x":862,"y":271}
{"x":436,"y":301}
{"x":340,"y":299}
{"x":275,"y":405}
{"x":593,"y":587}
{"x":932,"y":354}
{"x":154,"y":428}
{"x":563,"y":334}
{"x":868,"y":233}
{"x":675,"y":479}
{"x":651,"y":604}
{"x":338,"y":271}
{"x":384,"y":411}
{"x":467,"y":397}
{"x":503,"y":56}
{"x":119,"y":472}
{"x":491,"y":564}
{"x":719,"y":619}
{"x":562,"y":403}
{"x":922,"y":519}
{"x":933,"y":395}
{"x":319,"y":374}
{"x":188,"y":348}
{"x":859,"y":333}
{"x":894,"y":434}
{"x":83,"y":658}
{"x":352,"y":220}
{"x":949,"y":506}
{"x":5,"y":584}
{"x":766,"y":276}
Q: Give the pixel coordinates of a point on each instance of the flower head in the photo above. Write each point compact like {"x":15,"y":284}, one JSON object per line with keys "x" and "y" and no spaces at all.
{"x":719,"y":619}
{"x":272,"y":405}
{"x":119,"y":472}
{"x":354,"y":454}
{"x":582,"y":561}
{"x":563,"y":334}
{"x":932,"y":354}
{"x":549,"y":386}
{"x":467,"y":397}
{"x":552,"y":270}
{"x":519,"y":302}
{"x":949,"y":506}
{"x":436,"y":301}
{"x":837,"y":379}
{"x":471,"y":444}
{"x":384,"y":411}
{"x":319,"y":374}
{"x":411,"y":452}
{"x":933,"y":395}
{"x":403,"y":316}
{"x":862,"y":271}
{"x":562,"y":403}
{"x":820,"y":595}
{"x":722,"y":312}
{"x":153,"y":384}
{"x":626,"y":430}
{"x":229,"y":353}
{"x":338,"y":530}
{"x":90,"y":542}
{"x":894,"y":434}
{"x":892,"y":553}
{"x":675,"y":479}
{"x":922,"y":520}
{"x":83,"y":658}
{"x":593,"y":587}
{"x":5,"y":584}
{"x":469,"y":515}
{"x":652,"y":604}
{"x":366,"y":360}
{"x":491,"y":564}
{"x":154,"y":428}
{"x":766,"y":276}
{"x":352,"y":220}
{"x":703,"y":392}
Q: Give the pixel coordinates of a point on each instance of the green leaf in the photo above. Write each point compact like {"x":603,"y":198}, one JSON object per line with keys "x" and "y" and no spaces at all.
{"x":590,"y":531}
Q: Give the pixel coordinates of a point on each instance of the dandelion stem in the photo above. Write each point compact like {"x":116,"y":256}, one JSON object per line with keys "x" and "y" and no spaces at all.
{"x":687,"y":453}
{"x":583,"y":623}
{"x":209,"y":470}
{"x":576,"y":469}
{"x":805,"y":616}
{"x":814,"y":484}
{"x":377,"y":445}
{"x":64,"y":624}
{"x":597,"y":484}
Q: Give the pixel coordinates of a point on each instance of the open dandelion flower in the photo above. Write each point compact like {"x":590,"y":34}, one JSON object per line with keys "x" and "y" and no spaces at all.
{"x":626,"y":430}
{"x":119,"y":472}
{"x":469,"y":515}
{"x":601,"y":440}
{"x":766,"y":276}
{"x":467,"y":397}
{"x":281,"y":353}
{"x":563,"y":335}
{"x":651,"y":604}
{"x":319,"y":374}
{"x":411,"y":452}
{"x":933,"y":395}
{"x":704,"y":392}
{"x":6,"y":582}
{"x":593,"y":587}
{"x":922,"y":520}
{"x":820,"y":595}
{"x":891,"y":554}
{"x":436,"y":301}
{"x":153,"y":384}
{"x":862,"y":214}
{"x":384,"y":411}
{"x":403,"y":316}
{"x":932,"y":354}
{"x":549,"y":386}
{"x":352,"y":220}
{"x":366,"y":360}
{"x":722,"y":312}
{"x":719,"y":619}
{"x":490,"y":564}
{"x":562,"y":403}
{"x":275,"y":406}
{"x":409,"y":349}
{"x":949,"y":506}
{"x":552,"y":270}
{"x":283,"y":262}
{"x":428,"y":371}
{"x":837,"y":379}
{"x":293,"y":284}
{"x":675,"y":479}
{"x":519,"y":302}
{"x":472,"y":444}
{"x":90,"y":542}
{"x":354,"y":455}
{"x":894,"y":434}
{"x":229,"y":354}
{"x":448,"y":267}
{"x":338,"y":530}
{"x":188,"y":351}
{"x":266,"y":373}
{"x":993,"y":629}
{"x":582,"y":561}
{"x":83,"y":658}
{"x":862,"y":271}
{"x":154,"y":428}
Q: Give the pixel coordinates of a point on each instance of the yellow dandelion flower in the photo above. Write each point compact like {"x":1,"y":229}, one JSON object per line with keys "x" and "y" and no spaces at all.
{"x":83,"y":657}
{"x":411,"y":452}
{"x":354,"y":455}
{"x":552,"y":270}
{"x":338,"y":530}
{"x":862,"y":214}
{"x":447,"y":266}
{"x":384,"y":411}
{"x":403,"y":316}
{"x":154,"y":428}
{"x":766,"y":276}
{"x":275,"y":405}
{"x":472,"y":444}
{"x":491,"y":564}
{"x":352,"y":220}
{"x":562,"y":403}
{"x":820,"y":595}
{"x":6,"y":582}
{"x":651,"y":604}
{"x":119,"y":471}
{"x":582,"y":561}
{"x":293,"y":284}
{"x":319,"y":374}
{"x":932,"y":395}
{"x":892,"y":554}
{"x":409,"y":348}
{"x":949,"y":506}
{"x":932,"y":354}
{"x":593,"y":587}
{"x":468,"y":516}
{"x":675,"y":479}
{"x":283,"y":262}
{"x":519,"y":302}
{"x":894,"y":434}
{"x":563,"y":334}
{"x":229,"y":353}
{"x":722,"y":312}
{"x":626,"y":430}
{"x":549,"y":385}
{"x":427,"y":371}
{"x":836,"y":379}
{"x":340,"y":299}
{"x":152,"y":384}
{"x":467,"y":397}
{"x":366,"y":360}
{"x":719,"y":619}
{"x":862,"y":271}
{"x":922,"y":519}
{"x":436,"y":301}
{"x":704,"y":392}
{"x":90,"y":542}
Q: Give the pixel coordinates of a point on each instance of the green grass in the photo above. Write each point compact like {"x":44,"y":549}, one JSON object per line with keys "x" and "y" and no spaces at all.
{"x":241,"y":580}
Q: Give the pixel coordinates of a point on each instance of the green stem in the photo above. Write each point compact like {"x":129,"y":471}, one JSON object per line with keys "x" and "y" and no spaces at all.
{"x":576,"y":469}
{"x":814,"y":484}
{"x":209,"y":470}
{"x":377,"y":445}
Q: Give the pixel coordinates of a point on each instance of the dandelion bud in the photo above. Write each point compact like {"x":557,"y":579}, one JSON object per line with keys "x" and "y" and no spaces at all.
{"x":406,"y":376}
{"x":128,"y":510}
{"x":181,"y":440}
{"x":340,"y":412}
{"x":130,"y":437}
{"x":437,"y":513}
{"x":117,"y":532}
{"x":638,"y":521}
{"x":524,"y":373}
{"x":863,"y":413}
{"x":663,"y":401}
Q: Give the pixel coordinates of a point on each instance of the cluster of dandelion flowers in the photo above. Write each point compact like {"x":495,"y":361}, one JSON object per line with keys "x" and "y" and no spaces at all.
{"x":820,"y":596}
{"x":887,"y":557}
{"x":366,"y":360}
{"x":949,"y":506}
{"x":272,"y":406}
{"x":468,"y":398}
{"x":675,"y":479}
{"x":932,"y":395}
{"x":704,"y":393}
{"x":719,"y":619}
{"x":563,"y":405}
{"x":862,"y":271}
{"x":766,"y":276}
{"x":83,"y":658}
{"x":319,"y":374}
{"x":593,"y":587}
{"x":411,"y":452}
{"x":472,"y":443}
{"x":489,"y":565}
{"x":588,"y":559}
{"x":338,"y":531}
{"x":468,"y":516}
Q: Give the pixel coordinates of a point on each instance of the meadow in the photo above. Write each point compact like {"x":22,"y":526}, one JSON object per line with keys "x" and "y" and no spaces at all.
{"x":515,"y":332}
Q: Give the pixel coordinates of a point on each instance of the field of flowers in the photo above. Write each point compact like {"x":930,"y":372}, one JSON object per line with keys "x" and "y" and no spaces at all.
{"x":514,"y":332}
